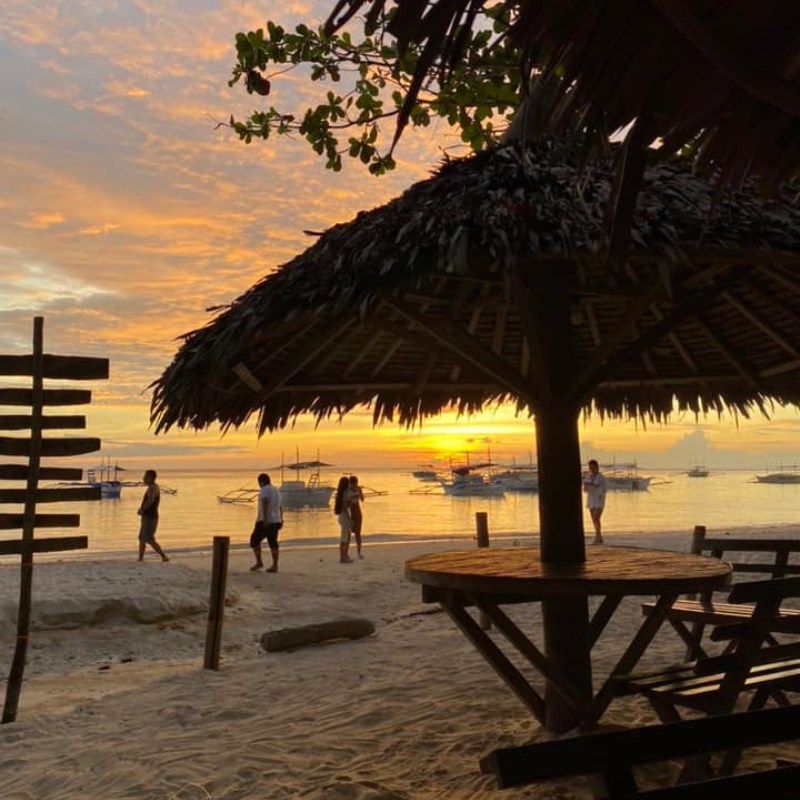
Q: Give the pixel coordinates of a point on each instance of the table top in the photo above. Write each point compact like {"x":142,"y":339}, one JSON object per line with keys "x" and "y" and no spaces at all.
{"x":608,"y":570}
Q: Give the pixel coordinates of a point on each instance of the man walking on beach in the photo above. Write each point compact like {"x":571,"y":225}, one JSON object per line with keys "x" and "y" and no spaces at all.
{"x":148,"y":511}
{"x":594,"y":484}
{"x":269,"y":521}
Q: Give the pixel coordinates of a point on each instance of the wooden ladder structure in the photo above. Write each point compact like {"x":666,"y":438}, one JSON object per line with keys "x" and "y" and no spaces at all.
{"x":38,"y":366}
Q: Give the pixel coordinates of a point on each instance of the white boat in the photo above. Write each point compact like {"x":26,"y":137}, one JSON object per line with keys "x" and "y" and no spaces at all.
{"x":698,"y":471}
{"x":790,"y":474}
{"x":298,"y":493}
{"x":624,"y":477}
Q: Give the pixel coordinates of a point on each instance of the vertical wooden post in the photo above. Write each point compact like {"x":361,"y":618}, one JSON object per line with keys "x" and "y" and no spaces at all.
{"x":17,"y":670}
{"x":482,"y":531}
{"x":216,"y":605}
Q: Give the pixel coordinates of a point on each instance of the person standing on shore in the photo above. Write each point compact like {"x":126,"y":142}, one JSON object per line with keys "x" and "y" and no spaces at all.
{"x":341,"y":507}
{"x":594,"y":484}
{"x":148,"y":511}
{"x":269,"y":520}
{"x":355,"y":496}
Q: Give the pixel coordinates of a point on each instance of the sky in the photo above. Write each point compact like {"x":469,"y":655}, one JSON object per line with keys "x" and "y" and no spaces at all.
{"x":126,"y":212}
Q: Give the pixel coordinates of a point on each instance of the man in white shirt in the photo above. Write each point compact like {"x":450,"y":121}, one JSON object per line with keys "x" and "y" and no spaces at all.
{"x":269,"y":521}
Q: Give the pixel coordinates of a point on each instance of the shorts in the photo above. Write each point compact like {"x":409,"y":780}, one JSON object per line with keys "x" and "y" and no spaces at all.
{"x":356,"y":518}
{"x":147,"y":530}
{"x":265,"y":530}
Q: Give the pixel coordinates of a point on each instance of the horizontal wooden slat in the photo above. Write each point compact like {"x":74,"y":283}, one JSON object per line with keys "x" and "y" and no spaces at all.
{"x":9,"y":547}
{"x":19,"y":472}
{"x":50,"y":397}
{"x":10,"y":446}
{"x":60,"y":494}
{"x":23,"y":422}
{"x":79,"y":368}
{"x":14,"y":521}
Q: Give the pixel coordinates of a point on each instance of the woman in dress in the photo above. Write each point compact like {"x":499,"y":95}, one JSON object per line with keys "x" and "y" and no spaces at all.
{"x":355,"y":496}
{"x":341,"y":508}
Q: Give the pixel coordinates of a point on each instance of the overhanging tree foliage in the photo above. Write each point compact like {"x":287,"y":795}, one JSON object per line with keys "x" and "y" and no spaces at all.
{"x":367,"y":85}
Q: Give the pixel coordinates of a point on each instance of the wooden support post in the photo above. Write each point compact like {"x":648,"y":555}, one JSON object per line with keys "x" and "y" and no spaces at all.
{"x":482,"y":531}
{"x":17,"y":671}
{"x":216,"y":605}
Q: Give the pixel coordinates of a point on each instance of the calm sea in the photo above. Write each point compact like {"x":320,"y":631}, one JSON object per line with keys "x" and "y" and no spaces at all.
{"x":193,"y":516}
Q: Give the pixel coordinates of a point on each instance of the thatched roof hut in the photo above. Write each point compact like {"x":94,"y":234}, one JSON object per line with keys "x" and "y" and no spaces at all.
{"x":490,"y":281}
{"x":421,"y":303}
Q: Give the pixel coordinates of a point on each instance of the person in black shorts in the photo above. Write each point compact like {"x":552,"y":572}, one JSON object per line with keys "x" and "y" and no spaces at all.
{"x":269,"y":521}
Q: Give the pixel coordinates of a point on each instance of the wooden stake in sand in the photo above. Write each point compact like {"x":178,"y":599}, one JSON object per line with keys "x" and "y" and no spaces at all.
{"x":216,"y":604}
{"x":38,"y":366}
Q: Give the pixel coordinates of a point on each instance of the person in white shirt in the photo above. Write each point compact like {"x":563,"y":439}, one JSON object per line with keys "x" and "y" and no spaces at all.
{"x":594,"y":484}
{"x":269,"y":521}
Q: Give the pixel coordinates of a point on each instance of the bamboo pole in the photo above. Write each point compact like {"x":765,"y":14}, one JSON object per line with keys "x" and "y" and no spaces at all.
{"x":216,"y":605}
{"x":17,"y":671}
{"x":482,"y":531}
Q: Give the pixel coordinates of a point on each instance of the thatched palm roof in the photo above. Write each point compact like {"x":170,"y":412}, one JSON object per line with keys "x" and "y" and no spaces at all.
{"x":426,"y":301}
{"x":725,"y":73}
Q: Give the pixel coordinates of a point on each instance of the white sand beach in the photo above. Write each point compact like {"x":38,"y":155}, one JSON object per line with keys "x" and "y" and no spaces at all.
{"x":116,"y":703}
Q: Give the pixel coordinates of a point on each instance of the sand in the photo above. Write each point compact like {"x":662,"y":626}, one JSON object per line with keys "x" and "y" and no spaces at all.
{"x":116,"y":703}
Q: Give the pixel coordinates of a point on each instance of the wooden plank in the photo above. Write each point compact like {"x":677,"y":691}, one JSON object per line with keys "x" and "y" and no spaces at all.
{"x":751,"y":545}
{"x":10,"y":446}
{"x":10,"y":547}
{"x":22,"y":422}
{"x":582,"y":755}
{"x":14,"y":521}
{"x":50,"y":397}
{"x":78,"y":368}
{"x":19,"y":472}
{"x":60,"y":494}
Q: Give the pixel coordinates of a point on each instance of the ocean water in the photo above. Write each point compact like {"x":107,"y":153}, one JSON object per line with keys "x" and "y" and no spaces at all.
{"x":193,"y":516}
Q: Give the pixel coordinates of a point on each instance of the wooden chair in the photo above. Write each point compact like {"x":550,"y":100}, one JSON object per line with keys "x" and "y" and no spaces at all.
{"x":690,"y":617}
{"x":612,"y":757}
{"x":712,"y":685}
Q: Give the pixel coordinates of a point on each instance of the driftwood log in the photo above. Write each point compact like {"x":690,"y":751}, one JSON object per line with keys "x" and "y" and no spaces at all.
{"x":290,"y":638}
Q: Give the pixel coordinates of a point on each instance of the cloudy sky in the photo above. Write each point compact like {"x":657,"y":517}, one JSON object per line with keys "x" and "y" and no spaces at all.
{"x":125,"y":212}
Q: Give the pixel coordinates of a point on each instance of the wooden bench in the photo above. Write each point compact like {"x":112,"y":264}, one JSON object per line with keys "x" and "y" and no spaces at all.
{"x":713,"y":684}
{"x":705,"y":610}
{"x":612,"y":756}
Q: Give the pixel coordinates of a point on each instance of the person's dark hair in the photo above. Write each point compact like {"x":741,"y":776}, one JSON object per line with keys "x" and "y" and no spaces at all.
{"x":354,"y":479}
{"x":344,"y":484}
{"x":263,"y":479}
{"x":150,"y":472}
{"x":593,"y":461}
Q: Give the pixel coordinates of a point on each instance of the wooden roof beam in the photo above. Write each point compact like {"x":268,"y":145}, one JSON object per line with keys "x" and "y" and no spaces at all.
{"x":768,"y":330}
{"x":782,"y":369}
{"x":689,"y":306}
{"x":469,"y":349}
{"x":745,"y":373}
{"x":424,"y":375}
{"x":324,"y":337}
{"x":404,"y":387}
{"x":586,"y":377}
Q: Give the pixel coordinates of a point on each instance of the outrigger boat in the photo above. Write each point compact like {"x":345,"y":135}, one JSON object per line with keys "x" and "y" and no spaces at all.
{"x":299,"y":493}
{"x":106,"y":476}
{"x":698,"y":471}
{"x":789,"y":474}
{"x":625,"y":477}
{"x":238,"y":497}
{"x":471,"y":481}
